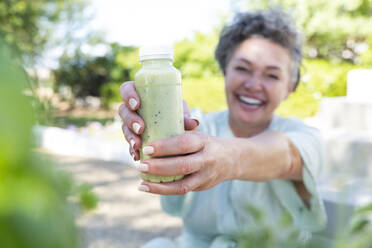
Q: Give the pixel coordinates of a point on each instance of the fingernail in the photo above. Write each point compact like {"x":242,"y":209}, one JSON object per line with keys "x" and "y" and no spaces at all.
{"x":144,"y":188}
{"x":197,"y":122}
{"x":132,"y":143}
{"x":132,"y":103}
{"x":136,"y":126}
{"x":148,"y":150}
{"x":142,"y":167}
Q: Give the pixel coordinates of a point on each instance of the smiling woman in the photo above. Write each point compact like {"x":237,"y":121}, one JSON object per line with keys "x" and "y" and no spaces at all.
{"x":257,"y":80}
{"x":245,"y":155}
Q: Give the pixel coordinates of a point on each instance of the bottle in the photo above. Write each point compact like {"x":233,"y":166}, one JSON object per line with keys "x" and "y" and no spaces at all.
{"x":158,"y":84}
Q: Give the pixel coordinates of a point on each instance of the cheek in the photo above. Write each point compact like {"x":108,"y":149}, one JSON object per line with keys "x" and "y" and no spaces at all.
{"x":233,"y":81}
{"x":278,"y":94}
{"x":229,"y":85}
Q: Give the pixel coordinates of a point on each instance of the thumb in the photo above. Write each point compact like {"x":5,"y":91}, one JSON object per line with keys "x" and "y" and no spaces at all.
{"x":190,"y":124}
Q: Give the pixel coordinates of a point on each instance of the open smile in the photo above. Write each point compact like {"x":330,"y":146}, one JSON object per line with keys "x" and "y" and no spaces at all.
{"x":250,"y":103}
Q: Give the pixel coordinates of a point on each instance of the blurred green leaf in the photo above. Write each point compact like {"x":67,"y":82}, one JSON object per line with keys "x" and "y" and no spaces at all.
{"x":87,"y":198}
{"x":34,"y":206}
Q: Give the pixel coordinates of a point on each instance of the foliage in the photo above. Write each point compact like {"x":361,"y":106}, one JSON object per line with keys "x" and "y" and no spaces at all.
{"x":323,"y":74}
{"x":266,"y":234}
{"x":366,"y":57}
{"x":34,"y":211}
{"x":320,"y":78}
{"x":334,"y":29}
{"x":110,"y":93}
{"x":194,"y":58}
{"x":28,"y":25}
{"x":32,"y":27}
{"x":207,"y":94}
{"x":125,"y":64}
{"x":86,"y":75}
{"x":357,"y":235}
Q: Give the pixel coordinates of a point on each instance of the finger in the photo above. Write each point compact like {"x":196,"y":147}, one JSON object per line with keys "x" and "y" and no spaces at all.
{"x":190,"y":124}
{"x":134,"y":142}
{"x":134,"y":154}
{"x":129,"y":95}
{"x":180,"y":187}
{"x":131,"y":119}
{"x":182,"y":144}
{"x":133,"y":139}
{"x":173,"y":166}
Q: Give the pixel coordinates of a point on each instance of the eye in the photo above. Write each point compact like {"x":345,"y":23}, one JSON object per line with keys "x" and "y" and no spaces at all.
{"x":243,"y":69}
{"x":240,"y":68}
{"x":273,"y":76}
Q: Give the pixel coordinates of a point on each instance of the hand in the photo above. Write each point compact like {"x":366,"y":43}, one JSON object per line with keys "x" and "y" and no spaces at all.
{"x":133,"y":124}
{"x":204,"y":160}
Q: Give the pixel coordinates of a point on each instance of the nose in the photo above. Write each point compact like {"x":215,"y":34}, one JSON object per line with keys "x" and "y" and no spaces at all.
{"x":253,"y":83}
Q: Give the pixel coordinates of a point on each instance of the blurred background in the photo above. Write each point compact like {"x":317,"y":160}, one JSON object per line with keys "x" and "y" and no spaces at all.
{"x":73,"y":56}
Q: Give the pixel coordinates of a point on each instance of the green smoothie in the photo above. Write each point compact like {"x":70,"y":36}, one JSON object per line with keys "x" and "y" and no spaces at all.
{"x":158,"y":84}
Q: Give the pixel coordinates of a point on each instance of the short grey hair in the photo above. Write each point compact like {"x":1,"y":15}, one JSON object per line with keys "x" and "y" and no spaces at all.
{"x":272,"y":24}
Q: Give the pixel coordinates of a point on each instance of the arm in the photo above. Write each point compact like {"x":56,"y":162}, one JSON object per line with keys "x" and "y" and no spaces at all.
{"x":210,"y":160}
{"x":269,"y":155}
{"x":275,"y":156}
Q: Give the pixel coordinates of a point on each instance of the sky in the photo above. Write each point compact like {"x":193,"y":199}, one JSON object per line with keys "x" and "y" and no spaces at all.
{"x":147,"y":22}
{"x":143,"y":22}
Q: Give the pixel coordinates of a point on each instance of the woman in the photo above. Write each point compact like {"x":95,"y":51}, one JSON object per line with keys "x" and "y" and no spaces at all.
{"x":245,"y":155}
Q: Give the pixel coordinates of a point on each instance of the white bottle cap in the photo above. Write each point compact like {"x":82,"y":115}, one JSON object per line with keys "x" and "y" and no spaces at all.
{"x":156,"y":52}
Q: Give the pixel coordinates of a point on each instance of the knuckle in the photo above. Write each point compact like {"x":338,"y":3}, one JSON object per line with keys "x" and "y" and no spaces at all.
{"x":124,"y":89}
{"x":186,"y":167}
{"x":183,"y":189}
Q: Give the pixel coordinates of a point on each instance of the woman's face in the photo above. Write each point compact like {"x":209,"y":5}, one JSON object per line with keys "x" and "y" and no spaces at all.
{"x":257,"y":79}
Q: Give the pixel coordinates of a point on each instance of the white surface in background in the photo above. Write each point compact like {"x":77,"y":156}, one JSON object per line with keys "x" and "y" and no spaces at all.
{"x":359,"y":85}
{"x":72,"y":143}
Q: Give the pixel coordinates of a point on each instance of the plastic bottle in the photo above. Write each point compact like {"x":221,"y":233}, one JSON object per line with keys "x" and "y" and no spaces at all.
{"x":158,"y":84}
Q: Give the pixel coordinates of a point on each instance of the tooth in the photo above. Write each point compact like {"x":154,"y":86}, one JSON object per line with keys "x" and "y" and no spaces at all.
{"x":250,"y":100}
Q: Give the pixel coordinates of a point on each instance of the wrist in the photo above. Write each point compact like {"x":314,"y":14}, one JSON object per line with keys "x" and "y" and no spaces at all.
{"x":240,"y":156}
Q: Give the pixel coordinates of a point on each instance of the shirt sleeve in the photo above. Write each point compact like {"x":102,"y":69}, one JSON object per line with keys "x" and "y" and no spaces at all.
{"x":311,"y":148}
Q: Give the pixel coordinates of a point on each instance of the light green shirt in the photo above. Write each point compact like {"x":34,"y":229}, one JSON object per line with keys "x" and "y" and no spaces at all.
{"x":213,"y":216}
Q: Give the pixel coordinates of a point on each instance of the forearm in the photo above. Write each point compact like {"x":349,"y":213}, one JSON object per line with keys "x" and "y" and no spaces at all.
{"x":269,"y":155}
